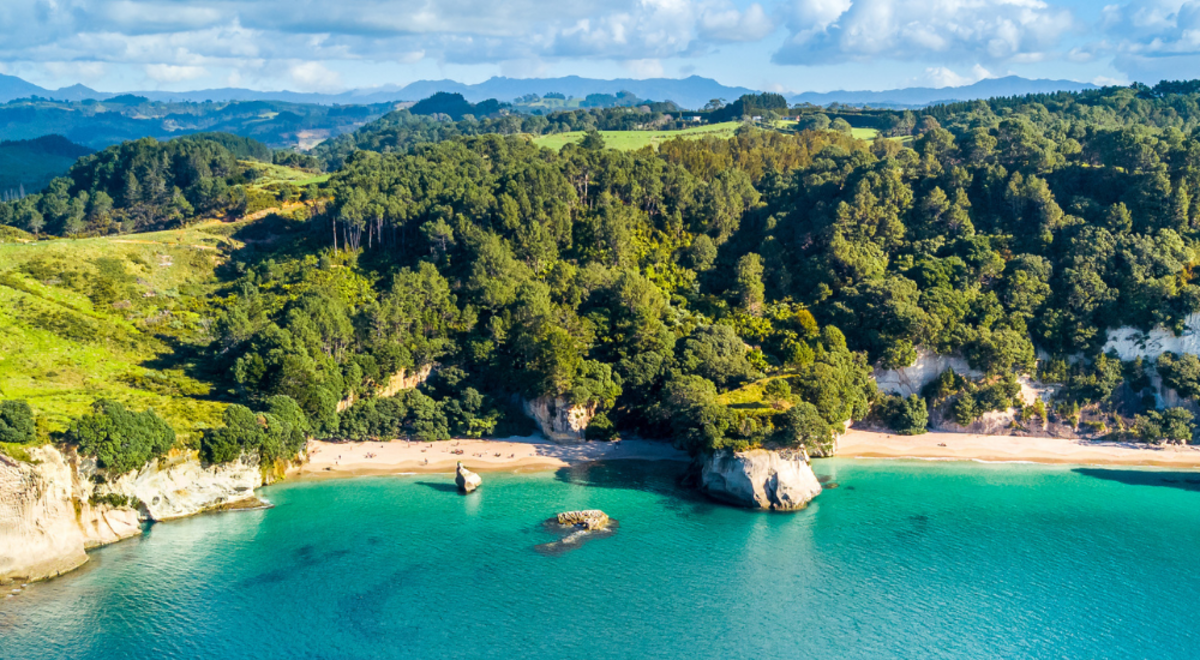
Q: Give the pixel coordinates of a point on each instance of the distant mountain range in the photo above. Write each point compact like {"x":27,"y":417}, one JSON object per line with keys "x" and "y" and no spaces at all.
{"x":923,"y":96}
{"x":692,"y":92}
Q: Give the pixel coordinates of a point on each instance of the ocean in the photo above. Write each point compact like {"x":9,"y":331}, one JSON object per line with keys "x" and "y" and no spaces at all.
{"x":900,"y":560}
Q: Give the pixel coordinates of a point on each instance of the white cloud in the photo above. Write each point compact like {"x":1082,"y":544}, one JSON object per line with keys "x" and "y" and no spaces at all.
{"x":170,"y":73}
{"x":941,"y":76}
{"x":315,"y":77}
{"x":196,"y":32}
{"x":729,"y":24}
{"x":1152,"y":39}
{"x":84,"y":71}
{"x":645,"y":68}
{"x":832,"y":31}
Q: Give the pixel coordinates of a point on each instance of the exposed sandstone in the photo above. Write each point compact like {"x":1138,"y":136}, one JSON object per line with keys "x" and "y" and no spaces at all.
{"x":560,"y":420}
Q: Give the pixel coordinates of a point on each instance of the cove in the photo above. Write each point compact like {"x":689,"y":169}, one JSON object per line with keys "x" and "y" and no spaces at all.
{"x":900,"y":560}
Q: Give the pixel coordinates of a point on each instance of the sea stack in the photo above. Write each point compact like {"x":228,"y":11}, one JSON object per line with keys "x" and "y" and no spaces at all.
{"x":467,"y":480}
{"x":760,"y":479}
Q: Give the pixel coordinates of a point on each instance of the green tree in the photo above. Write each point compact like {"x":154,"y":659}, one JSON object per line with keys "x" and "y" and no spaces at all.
{"x":17,"y":422}
{"x":803,"y":426}
{"x":718,"y":354}
{"x":121,"y":439}
{"x":750,"y":287}
{"x":906,"y":415}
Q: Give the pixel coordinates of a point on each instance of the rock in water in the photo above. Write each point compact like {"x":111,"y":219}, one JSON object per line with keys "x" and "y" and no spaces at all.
{"x":760,"y":479}
{"x":467,"y":480}
{"x":589,"y":519}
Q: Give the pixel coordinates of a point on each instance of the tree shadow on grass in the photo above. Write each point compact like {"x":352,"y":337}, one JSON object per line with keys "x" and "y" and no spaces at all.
{"x":1181,"y":480}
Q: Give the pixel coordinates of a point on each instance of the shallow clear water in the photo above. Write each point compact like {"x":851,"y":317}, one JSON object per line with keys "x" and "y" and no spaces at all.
{"x":902,"y":560}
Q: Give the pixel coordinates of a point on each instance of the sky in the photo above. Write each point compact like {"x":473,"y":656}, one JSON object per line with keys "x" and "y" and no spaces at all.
{"x":777,"y":45}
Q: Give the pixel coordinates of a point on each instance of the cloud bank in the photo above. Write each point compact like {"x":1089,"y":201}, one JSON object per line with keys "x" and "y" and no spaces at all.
{"x":177,"y":41}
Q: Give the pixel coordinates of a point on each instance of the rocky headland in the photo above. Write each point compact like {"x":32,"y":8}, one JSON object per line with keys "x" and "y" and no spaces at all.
{"x":58,"y":505}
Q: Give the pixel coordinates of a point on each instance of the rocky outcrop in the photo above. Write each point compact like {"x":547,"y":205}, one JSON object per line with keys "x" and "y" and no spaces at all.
{"x":403,"y":380}
{"x":928,"y":366}
{"x":590,"y":519}
{"x":178,"y":485}
{"x":398,"y":382}
{"x":40,"y":536}
{"x":560,"y":420}
{"x":1131,"y":343}
{"x":52,"y":508}
{"x":760,"y":479}
{"x":466,"y":480}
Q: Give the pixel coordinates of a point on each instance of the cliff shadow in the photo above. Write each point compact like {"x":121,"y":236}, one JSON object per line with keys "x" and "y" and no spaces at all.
{"x":664,"y":478}
{"x":1181,"y":480}
{"x":440,"y":487}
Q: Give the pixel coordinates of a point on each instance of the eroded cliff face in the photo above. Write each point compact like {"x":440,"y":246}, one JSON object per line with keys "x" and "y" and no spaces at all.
{"x":398,"y":382}
{"x":912,"y":379}
{"x":39,"y":533}
{"x":47,"y":519}
{"x":760,"y":479}
{"x":1131,"y":343}
{"x":560,"y":420}
{"x":178,"y":485}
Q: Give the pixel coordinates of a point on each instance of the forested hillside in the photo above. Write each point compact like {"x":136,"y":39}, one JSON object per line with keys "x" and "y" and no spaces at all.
{"x":715,"y":292}
{"x":29,"y":165}
{"x":99,"y":124}
{"x":402,"y":129}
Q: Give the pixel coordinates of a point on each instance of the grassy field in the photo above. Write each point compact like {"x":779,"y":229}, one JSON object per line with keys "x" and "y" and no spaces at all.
{"x":280,"y":174}
{"x":867,"y":134}
{"x":103,"y":317}
{"x":634,"y":140}
{"x":752,"y":396}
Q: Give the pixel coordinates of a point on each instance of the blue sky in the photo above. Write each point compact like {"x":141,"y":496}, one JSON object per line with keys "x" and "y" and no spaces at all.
{"x":783,"y":45}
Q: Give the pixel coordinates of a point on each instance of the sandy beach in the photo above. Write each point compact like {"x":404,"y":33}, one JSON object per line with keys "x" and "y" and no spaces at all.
{"x":533,"y":453}
{"x":1002,"y":448}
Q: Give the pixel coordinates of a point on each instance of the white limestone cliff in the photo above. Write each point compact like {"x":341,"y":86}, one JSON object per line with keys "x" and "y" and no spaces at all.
{"x":560,"y":420}
{"x":760,"y":479}
{"x":48,"y":518}
{"x":928,"y":366}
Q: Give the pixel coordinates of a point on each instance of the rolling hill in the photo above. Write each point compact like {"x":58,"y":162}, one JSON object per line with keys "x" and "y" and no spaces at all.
{"x":31,"y":164}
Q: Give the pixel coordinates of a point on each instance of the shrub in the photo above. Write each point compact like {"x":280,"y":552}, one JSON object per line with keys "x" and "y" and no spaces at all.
{"x":905,"y":415}
{"x":777,"y":390}
{"x":1173,"y":425}
{"x":16,"y":422}
{"x":276,"y":434}
{"x":803,"y":426}
{"x":119,"y":438}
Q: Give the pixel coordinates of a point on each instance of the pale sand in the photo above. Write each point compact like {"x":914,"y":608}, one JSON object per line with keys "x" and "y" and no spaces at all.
{"x":401,"y":456}
{"x":1003,"y":448}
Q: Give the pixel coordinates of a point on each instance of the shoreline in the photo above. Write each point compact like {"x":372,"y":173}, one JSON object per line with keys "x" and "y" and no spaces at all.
{"x":327,"y":460}
{"x":377,"y":458}
{"x":943,"y":446}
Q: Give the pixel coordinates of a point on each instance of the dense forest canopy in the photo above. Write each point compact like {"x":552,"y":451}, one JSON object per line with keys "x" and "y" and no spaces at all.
{"x":403,"y":129}
{"x":662,"y":289}
{"x":100,"y":124}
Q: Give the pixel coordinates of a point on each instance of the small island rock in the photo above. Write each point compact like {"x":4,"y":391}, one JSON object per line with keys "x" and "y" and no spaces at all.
{"x":466,"y":480}
{"x":760,"y":479}
{"x":589,"y":519}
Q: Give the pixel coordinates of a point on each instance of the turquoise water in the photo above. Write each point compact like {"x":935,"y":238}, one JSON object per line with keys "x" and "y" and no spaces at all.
{"x":902,"y":560}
